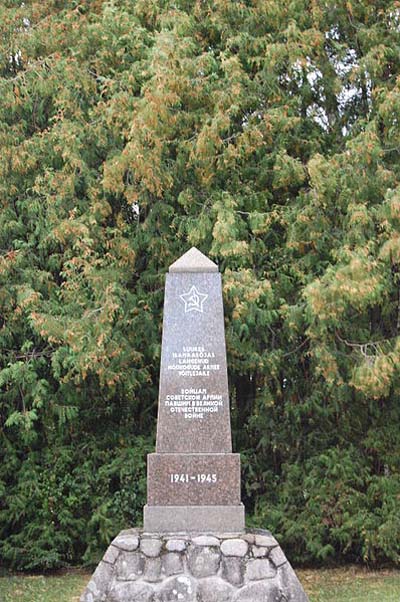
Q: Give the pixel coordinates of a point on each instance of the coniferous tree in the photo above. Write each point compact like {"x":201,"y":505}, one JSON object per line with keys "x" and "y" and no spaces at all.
{"x":266,"y":134}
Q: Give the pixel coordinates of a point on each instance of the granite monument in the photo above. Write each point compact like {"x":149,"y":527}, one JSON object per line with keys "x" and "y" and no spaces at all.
{"x":194,"y":546}
{"x":193,"y":478}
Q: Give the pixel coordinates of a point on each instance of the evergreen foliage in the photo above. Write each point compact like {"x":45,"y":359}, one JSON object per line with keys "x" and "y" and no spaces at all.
{"x":267,"y":134}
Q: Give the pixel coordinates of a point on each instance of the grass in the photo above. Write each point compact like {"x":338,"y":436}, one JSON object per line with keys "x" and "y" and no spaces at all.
{"x":60,"y":587}
{"x":349,"y":584}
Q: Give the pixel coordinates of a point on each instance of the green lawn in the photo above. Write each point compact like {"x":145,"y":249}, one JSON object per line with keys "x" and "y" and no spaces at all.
{"x":62,"y":587}
{"x":351,"y":585}
{"x":336,"y":585}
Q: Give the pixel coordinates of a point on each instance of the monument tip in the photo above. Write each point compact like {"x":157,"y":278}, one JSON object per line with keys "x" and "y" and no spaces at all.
{"x":193,"y":261}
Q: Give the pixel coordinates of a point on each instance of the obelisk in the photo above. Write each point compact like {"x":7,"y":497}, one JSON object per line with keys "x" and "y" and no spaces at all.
{"x":193,"y":547}
{"x":193,"y":479}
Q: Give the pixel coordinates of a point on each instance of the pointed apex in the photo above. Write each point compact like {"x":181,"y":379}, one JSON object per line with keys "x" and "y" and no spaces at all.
{"x":193,"y":261}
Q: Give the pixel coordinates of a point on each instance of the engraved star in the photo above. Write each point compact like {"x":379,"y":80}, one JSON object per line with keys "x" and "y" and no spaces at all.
{"x":193,"y":300}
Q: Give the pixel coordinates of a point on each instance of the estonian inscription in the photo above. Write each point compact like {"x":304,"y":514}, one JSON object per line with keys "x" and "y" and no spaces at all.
{"x":193,"y":361}
{"x":194,"y":403}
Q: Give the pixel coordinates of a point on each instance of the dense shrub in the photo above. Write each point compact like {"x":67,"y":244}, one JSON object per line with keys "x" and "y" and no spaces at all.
{"x":64,"y":504}
{"x":266,"y":134}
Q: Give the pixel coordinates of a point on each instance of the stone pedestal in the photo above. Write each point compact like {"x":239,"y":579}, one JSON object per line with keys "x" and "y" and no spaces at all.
{"x":181,"y":567}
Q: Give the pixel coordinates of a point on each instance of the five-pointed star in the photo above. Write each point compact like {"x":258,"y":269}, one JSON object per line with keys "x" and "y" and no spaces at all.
{"x":193,"y":300}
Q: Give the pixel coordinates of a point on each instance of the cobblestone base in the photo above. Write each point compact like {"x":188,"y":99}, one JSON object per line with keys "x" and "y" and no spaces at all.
{"x":140,"y":567}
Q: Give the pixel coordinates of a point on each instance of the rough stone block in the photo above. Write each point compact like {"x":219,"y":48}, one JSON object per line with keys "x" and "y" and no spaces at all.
{"x":260,"y":592}
{"x":130,"y":566}
{"x":88,"y":596}
{"x":126,"y":541}
{"x":152,"y":570}
{"x":151,"y":547}
{"x":234,"y":547}
{"x":260,"y":569}
{"x":127,"y":592}
{"x":172,"y":563}
{"x":178,"y":589}
{"x":265,"y":540}
{"x":176,"y":545}
{"x":259,"y":552}
{"x":233,"y":570}
{"x":290,"y":584}
{"x":196,"y":573}
{"x":213,"y":589}
{"x":206,"y":540}
{"x":277,"y":557}
{"x":111,"y":554}
{"x":203,"y":561}
{"x":99,"y":584}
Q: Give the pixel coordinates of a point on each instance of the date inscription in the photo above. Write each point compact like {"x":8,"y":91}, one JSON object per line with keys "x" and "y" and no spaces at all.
{"x":201,"y":478}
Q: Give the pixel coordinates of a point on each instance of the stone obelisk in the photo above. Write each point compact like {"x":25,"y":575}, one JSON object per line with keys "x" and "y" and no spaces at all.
{"x":193,"y":480}
{"x":193,"y":547}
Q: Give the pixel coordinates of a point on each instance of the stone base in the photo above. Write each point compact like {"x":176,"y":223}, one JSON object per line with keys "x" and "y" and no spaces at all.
{"x":210,"y":519}
{"x":139,"y":567}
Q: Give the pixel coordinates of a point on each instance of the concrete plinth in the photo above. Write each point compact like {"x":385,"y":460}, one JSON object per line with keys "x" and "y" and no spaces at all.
{"x":173,"y":519}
